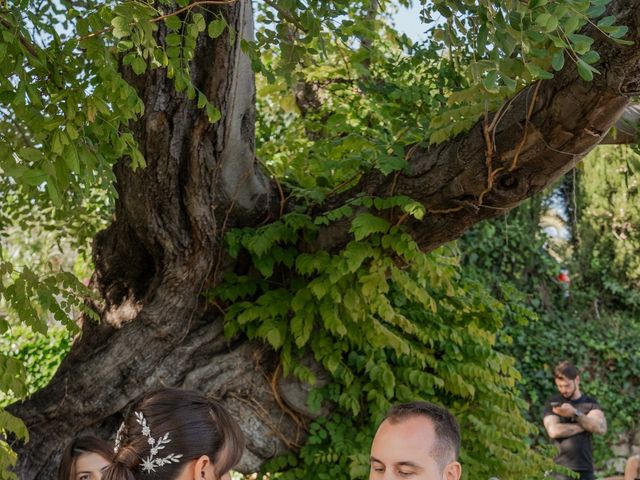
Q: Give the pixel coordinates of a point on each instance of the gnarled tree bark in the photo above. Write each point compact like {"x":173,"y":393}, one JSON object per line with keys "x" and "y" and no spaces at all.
{"x":165,"y":244}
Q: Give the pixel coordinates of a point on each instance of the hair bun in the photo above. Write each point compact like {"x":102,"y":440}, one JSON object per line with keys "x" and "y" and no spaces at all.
{"x":127,"y":456}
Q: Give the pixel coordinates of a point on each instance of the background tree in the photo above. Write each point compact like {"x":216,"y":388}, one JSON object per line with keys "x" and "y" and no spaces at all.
{"x":320,"y":269}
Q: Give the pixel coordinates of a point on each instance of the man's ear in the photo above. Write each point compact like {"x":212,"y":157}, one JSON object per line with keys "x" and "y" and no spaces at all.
{"x":453,"y":471}
{"x":203,"y":469}
{"x":577,"y":380}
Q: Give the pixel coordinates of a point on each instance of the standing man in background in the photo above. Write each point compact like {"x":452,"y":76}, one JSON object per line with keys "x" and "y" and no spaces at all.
{"x":571,"y":418}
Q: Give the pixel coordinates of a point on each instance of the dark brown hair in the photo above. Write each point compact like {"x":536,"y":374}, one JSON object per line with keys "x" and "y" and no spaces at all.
{"x":565,"y":369}
{"x":447,"y":447}
{"x":194,"y":425}
{"x":80,"y":445}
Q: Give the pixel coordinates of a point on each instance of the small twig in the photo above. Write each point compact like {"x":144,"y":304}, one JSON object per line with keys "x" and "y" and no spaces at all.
{"x":394,"y":184}
{"x":402,"y":219}
{"x":445,"y":210}
{"x":503,"y":209}
{"x":489,"y":154}
{"x":273,"y":381}
{"x":502,"y":111}
{"x":234,"y":197}
{"x":217,"y":305}
{"x":523,"y":140}
{"x":346,"y":182}
{"x":254,"y":405}
{"x":283,"y":199}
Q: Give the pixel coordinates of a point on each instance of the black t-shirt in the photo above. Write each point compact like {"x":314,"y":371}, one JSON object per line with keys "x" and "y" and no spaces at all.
{"x":575,"y":452}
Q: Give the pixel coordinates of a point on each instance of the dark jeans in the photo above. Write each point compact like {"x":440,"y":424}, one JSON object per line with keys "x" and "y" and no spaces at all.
{"x":584,"y":475}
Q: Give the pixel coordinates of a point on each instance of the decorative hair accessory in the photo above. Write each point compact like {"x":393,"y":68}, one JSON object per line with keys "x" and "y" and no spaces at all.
{"x":150,"y":463}
{"x":118,"y":441}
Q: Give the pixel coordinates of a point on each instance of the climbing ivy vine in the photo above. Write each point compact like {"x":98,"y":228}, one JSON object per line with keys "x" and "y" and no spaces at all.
{"x":389,"y":324}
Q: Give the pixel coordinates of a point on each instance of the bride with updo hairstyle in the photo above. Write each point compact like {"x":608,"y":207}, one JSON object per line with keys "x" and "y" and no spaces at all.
{"x":174,"y":434}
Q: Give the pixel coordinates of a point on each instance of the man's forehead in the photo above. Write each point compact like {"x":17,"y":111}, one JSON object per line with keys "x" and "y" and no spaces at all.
{"x":406,"y":441}
{"x":563,"y":380}
{"x":415,"y":433}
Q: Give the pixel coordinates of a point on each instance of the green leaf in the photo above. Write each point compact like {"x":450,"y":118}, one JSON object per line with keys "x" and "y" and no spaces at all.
{"x":139,"y":65}
{"x":490,"y":82}
{"x":202,"y":100}
{"x":173,"y":40}
{"x":71,"y":159}
{"x":30,"y":154}
{"x":596,"y":10}
{"x":54,"y":193}
{"x":173,"y":22}
{"x":199,"y":22}
{"x":557,"y":60}
{"x":552,"y":24}
{"x":590,"y":57}
{"x":607,"y":21}
{"x":584,"y":70}
{"x":302,"y":327}
{"x":581,"y":43}
{"x":33,"y":177}
{"x":121,"y":27}
{"x":216,"y":27}
{"x":571,"y":24}
{"x":366,"y":224}
{"x":212,"y":113}
{"x":543,"y":19}
{"x":618,"y":32}
{"x":538,"y":72}
{"x":14,"y":425}
{"x":274,"y":337}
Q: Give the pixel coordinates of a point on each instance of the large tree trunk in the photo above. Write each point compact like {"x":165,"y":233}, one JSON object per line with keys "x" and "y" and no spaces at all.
{"x":165,"y":244}
{"x":153,"y":262}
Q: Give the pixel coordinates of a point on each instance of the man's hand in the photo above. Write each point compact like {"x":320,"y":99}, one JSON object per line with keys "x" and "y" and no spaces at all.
{"x":593,"y":422}
{"x":565,"y":410}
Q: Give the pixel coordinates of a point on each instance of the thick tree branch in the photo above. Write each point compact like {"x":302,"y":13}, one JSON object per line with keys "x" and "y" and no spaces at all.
{"x":626,"y":128}
{"x":540,"y":135}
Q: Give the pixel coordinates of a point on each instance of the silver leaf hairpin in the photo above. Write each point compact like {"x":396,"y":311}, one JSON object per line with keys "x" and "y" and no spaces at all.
{"x":118,"y":441}
{"x":150,"y":463}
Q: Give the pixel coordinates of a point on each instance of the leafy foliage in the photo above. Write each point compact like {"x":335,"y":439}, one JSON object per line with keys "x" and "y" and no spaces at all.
{"x":594,"y":327}
{"x":608,"y":234}
{"x":390,"y":324}
{"x":27,"y":363}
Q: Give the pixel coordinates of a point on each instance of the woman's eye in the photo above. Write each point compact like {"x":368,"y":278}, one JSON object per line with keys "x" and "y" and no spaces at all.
{"x":84,"y":476}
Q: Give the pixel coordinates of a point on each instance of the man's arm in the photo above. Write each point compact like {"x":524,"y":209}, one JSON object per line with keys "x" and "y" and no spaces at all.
{"x":555,"y":429}
{"x":632,"y":469}
{"x":593,"y":422}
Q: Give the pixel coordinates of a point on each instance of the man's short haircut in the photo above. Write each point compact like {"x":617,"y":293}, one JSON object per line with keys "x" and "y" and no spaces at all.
{"x":447,"y":447}
{"x":565,"y":369}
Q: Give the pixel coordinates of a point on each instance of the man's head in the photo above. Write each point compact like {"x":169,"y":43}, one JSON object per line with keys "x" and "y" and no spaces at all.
{"x":567,"y":380}
{"x":417,"y":441}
